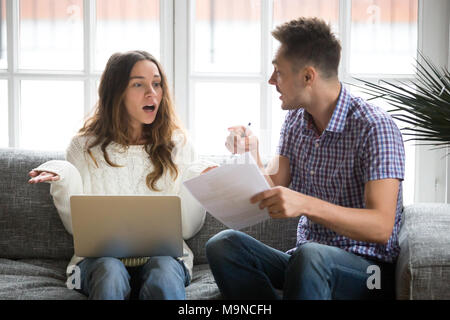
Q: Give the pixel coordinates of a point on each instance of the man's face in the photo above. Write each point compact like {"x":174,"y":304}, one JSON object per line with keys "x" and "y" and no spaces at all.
{"x":287,"y":82}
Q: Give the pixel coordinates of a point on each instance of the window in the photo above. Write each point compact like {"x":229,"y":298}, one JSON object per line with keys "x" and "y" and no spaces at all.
{"x":217,"y":56}
{"x":60,"y":112}
{"x":135,"y":23}
{"x":3,"y":114}
{"x":286,"y":10}
{"x":2,"y":34}
{"x":385,"y":33}
{"x":60,"y":49}
{"x":50,"y":35}
{"x":391,"y":48}
{"x":230,"y":48}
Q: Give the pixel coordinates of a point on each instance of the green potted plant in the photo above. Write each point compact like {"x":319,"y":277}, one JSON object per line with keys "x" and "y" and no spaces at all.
{"x":422,"y":104}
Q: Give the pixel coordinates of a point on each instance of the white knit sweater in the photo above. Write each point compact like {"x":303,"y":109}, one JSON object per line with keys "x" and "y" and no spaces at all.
{"x":80,"y":175}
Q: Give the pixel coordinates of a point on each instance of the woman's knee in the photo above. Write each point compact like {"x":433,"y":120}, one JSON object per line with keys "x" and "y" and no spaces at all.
{"x":104,"y":278}
{"x":107,"y":265}
{"x":163,"y":277}
{"x":162,"y":263}
{"x":103,"y":265}
{"x":163,"y":268}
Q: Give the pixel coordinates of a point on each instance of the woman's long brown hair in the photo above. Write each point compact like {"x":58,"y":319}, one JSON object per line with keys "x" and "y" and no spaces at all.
{"x":111,"y":122}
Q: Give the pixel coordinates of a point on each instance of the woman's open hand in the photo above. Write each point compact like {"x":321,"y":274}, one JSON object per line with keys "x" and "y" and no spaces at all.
{"x":42,"y":176}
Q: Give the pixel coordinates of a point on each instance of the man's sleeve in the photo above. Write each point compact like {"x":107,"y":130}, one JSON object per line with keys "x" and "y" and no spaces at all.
{"x":383,"y":152}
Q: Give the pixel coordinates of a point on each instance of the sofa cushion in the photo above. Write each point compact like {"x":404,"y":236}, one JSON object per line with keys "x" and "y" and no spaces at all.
{"x":46,"y":280}
{"x":423,"y":266}
{"x":29,"y":223}
{"x":202,"y":286}
{"x":35,"y":280}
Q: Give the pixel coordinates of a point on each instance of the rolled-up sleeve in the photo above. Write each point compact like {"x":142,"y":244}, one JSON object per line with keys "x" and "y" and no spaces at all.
{"x":384,"y":154}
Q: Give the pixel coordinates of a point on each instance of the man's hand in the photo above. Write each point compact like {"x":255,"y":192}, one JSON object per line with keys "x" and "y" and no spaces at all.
{"x":281,"y":202}
{"x":241,"y":140}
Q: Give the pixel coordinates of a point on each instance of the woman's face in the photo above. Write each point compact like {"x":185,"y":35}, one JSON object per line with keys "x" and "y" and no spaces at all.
{"x":143,"y":94}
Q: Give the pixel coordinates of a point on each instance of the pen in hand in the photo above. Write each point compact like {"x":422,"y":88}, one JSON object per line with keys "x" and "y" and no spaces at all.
{"x":236,"y":131}
{"x":244,"y":134}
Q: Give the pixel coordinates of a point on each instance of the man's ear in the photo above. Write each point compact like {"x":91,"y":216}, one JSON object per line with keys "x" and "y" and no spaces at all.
{"x":309,"y":75}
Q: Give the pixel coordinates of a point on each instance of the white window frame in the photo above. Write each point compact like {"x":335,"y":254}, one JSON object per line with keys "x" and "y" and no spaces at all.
{"x":432,"y":16}
{"x":432,"y":179}
{"x":88,"y":75}
{"x":186,"y":78}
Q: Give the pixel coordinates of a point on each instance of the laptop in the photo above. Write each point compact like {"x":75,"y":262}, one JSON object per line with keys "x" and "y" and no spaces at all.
{"x":126,"y":226}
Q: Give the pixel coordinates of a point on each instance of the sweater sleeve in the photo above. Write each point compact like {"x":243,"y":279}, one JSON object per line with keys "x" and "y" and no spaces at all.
{"x":70,"y":181}
{"x":190,"y":166}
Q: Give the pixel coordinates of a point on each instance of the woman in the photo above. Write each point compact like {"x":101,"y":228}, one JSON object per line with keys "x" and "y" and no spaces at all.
{"x":133,"y":144}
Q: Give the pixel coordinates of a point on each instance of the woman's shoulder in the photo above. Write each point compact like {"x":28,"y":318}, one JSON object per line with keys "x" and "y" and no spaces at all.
{"x":81,"y":142}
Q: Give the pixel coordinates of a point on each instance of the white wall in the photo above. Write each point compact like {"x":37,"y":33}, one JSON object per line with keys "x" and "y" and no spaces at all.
{"x":448,"y":158}
{"x":432,"y":166}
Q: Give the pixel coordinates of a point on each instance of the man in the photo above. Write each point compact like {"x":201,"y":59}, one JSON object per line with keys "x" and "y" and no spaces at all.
{"x":339,"y":167}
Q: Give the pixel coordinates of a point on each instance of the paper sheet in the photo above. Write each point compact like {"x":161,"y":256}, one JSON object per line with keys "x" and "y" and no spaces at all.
{"x":225,"y":192}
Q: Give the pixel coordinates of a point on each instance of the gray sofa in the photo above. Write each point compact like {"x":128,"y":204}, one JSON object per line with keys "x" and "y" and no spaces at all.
{"x":35,"y":248}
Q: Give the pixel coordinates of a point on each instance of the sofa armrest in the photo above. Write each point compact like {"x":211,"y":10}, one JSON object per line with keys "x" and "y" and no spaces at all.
{"x":423,"y":266}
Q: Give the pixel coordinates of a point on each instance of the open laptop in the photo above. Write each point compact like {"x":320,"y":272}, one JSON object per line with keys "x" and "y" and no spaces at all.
{"x":126,"y":226}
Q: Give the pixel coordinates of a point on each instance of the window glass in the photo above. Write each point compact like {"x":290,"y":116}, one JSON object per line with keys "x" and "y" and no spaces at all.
{"x":3,"y":59}
{"x":286,"y":10}
{"x":227,"y":36}
{"x":51,"y":34}
{"x":383,"y":32}
{"x":278,"y":116}
{"x":124,"y":25}
{"x":3,"y":114}
{"x":219,"y":106}
{"x":51,"y":113}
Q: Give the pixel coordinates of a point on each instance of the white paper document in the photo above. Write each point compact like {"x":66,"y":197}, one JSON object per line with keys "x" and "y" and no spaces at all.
{"x":225,"y":192}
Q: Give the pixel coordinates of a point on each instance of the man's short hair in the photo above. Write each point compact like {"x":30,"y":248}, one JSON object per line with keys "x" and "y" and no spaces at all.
{"x":310,"y":41}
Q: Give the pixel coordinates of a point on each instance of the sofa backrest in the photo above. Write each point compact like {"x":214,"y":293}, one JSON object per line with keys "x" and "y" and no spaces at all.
{"x":30,"y":226}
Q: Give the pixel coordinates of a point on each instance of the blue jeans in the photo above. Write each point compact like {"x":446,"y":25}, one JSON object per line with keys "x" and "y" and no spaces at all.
{"x":245,"y":268}
{"x":161,"y":278}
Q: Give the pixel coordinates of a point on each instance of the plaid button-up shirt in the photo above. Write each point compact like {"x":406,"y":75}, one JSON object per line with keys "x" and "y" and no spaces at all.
{"x":361,"y":143}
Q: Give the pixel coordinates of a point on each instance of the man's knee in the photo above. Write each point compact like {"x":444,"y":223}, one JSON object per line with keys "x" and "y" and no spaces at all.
{"x":222,"y":241}
{"x":311,"y":254}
